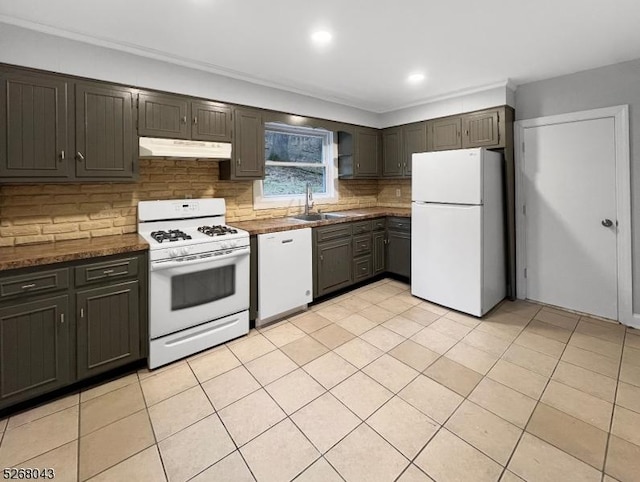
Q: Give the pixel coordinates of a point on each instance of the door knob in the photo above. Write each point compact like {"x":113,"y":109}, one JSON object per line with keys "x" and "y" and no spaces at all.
{"x":607,"y":223}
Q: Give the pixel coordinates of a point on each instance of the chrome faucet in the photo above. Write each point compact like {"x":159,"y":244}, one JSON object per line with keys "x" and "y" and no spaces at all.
{"x":308,"y":199}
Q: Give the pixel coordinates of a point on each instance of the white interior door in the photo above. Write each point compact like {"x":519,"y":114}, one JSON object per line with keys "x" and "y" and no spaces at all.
{"x":569,"y":182}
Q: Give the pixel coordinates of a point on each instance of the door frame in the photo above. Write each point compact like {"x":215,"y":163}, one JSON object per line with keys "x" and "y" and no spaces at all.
{"x":620,"y":114}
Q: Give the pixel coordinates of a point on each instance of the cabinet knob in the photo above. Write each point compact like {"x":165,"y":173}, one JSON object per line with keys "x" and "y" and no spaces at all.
{"x":358,"y":165}
{"x":238,"y":161}
{"x":62,"y":155}
{"x":195,"y":120}
{"x":184,"y":119}
{"x":398,"y":164}
{"x":79,"y":156}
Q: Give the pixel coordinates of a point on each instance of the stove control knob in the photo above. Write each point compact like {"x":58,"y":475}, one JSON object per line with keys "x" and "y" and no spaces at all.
{"x":173,"y":252}
{"x":224,"y":244}
{"x":233,"y":244}
{"x":185,"y":251}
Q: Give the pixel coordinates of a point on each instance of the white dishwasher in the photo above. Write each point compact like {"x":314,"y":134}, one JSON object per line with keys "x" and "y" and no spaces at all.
{"x":285,"y":280}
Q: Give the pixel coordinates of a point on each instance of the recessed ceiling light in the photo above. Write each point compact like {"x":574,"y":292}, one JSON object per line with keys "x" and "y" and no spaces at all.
{"x":321,"y":37}
{"x":415,"y":78}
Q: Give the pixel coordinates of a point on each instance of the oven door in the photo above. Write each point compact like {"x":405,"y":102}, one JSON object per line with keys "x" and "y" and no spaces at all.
{"x":186,"y":293}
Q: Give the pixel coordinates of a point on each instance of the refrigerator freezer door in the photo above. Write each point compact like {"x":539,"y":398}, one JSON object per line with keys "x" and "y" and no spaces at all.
{"x":453,"y":177}
{"x":446,"y":255}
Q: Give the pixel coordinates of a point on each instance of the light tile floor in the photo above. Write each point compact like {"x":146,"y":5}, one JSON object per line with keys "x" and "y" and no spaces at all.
{"x":373,"y":385}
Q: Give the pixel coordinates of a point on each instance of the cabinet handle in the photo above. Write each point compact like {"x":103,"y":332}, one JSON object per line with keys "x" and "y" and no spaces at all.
{"x":405,"y":164}
{"x":195,"y":120}
{"x":358,"y":165}
{"x":466,"y":133}
{"x":364,"y":268}
{"x":81,"y":312}
{"x":62,"y":318}
{"x":321,"y":258}
{"x":238,"y":161}
{"x":184,"y":119}
{"x":107,"y":271}
{"x":79,"y":156}
{"x":30,"y":285}
{"x":62,"y":155}
{"x":398,"y":164}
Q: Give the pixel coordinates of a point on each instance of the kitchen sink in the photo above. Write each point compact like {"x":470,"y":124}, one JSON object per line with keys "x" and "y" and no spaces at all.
{"x":317,"y":216}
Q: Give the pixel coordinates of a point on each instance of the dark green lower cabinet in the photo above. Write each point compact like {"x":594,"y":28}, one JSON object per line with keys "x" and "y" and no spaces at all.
{"x":108,"y":328}
{"x":333,"y":265}
{"x":35,"y":351}
{"x":399,"y":253}
{"x":379,"y":246}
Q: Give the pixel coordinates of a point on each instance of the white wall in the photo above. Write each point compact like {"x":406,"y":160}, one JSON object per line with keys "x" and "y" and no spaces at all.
{"x":463,"y":102}
{"x":29,"y":48}
{"x":603,"y":87}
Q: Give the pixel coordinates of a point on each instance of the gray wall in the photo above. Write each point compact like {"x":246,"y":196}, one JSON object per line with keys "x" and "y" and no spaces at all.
{"x":603,"y":87}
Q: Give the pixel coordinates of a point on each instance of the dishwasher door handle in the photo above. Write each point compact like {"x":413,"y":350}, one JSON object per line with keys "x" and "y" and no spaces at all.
{"x":285,"y":241}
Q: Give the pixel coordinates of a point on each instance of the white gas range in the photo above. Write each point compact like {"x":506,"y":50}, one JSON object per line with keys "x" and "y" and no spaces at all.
{"x":198,"y":277}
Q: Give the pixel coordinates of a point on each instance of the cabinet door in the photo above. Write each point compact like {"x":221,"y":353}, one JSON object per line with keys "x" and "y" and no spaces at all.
{"x":210,"y":121}
{"x":108,"y":327}
{"x":367,"y":153}
{"x":391,"y":152}
{"x":163,"y":116}
{"x":105,"y":133}
{"x":35,"y":355}
{"x":248,"y":145}
{"x":414,"y":139}
{"x":379,"y":246}
{"x":33,"y":125}
{"x":399,"y":253}
{"x":334,"y":261}
{"x":445,"y":134}
{"x":480,"y":129}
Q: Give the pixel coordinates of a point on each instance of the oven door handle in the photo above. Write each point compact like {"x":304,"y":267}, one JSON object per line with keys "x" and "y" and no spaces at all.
{"x":160,"y":265}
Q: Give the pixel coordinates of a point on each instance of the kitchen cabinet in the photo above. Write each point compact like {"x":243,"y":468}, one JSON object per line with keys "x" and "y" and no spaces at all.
{"x":399,"y":144}
{"x":104,"y":132}
{"x":35,"y":355}
{"x":108,"y":327}
{"x":46,"y":344}
{"x":398,"y":252}
{"x":247,"y":160}
{"x":177,"y":117}
{"x":359,"y":153}
{"x":56,"y":128}
{"x":34,"y":122}
{"x":347,"y":253}
{"x":445,"y":134}
{"x":481,"y":129}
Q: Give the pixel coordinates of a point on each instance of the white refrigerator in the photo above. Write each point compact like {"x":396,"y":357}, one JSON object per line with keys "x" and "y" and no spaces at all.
{"x":457,"y":229}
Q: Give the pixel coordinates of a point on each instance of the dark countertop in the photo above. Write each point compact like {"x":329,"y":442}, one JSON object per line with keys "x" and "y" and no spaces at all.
{"x":273,"y":225}
{"x":47,"y":253}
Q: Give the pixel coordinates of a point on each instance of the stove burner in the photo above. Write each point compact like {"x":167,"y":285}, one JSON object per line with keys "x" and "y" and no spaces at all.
{"x":171,"y":235}
{"x":218,"y":230}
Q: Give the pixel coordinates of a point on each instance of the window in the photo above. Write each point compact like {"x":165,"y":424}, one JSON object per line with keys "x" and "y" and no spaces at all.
{"x":295,"y":156}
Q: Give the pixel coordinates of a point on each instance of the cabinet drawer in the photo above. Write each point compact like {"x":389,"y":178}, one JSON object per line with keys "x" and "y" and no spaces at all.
{"x":336,"y":231}
{"x":38,"y":282}
{"x":362,"y":227}
{"x":362,"y":268}
{"x":115,"y":269}
{"x":379,"y":224}
{"x":361,"y":244}
{"x":399,"y":224}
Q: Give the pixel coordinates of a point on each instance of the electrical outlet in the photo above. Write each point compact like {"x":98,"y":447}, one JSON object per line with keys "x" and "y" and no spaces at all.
{"x":398,"y":193}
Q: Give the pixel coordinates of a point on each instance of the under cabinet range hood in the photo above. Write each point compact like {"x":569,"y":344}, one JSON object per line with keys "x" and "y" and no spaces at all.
{"x":151,"y":147}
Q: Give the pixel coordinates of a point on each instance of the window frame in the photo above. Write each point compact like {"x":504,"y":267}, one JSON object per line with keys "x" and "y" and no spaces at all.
{"x":330,"y":163}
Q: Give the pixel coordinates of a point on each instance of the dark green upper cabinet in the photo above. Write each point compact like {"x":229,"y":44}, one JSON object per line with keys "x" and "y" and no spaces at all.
{"x":392,"y":152}
{"x":164,"y":116}
{"x":414,"y":140}
{"x":104,"y":132}
{"x":398,"y":145}
{"x":481,"y":129}
{"x":445,"y":134}
{"x":33,"y":125}
{"x":247,"y":160}
{"x":210,"y":121}
{"x":367,"y":153}
{"x":35,"y":351}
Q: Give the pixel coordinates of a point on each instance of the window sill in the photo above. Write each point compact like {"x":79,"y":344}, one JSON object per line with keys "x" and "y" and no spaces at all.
{"x":291,"y":202}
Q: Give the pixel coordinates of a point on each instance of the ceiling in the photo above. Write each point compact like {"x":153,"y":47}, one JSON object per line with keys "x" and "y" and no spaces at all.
{"x":460,"y":46}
